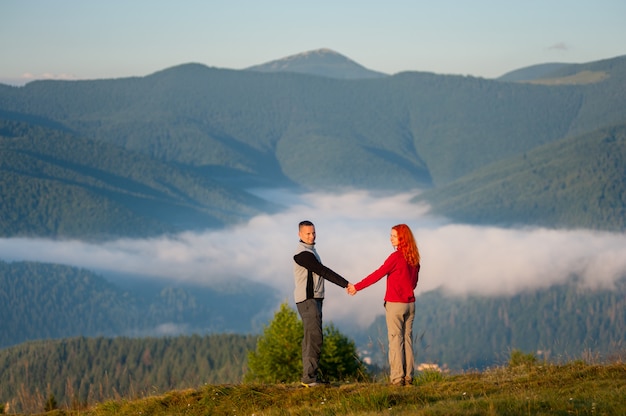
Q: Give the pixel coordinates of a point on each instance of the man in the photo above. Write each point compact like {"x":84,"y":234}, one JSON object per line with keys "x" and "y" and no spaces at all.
{"x":309,"y":274}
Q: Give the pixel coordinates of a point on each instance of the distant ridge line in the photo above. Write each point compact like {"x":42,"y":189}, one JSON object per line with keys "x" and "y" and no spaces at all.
{"x":320,"y":62}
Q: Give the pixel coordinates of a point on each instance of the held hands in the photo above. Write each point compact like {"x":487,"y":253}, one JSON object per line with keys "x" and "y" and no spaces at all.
{"x":350,"y":289}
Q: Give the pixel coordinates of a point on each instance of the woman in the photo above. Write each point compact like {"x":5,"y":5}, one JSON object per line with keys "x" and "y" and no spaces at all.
{"x":402,"y":271}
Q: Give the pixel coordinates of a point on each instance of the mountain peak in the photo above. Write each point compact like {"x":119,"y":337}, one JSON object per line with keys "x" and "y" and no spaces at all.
{"x":322,"y":62}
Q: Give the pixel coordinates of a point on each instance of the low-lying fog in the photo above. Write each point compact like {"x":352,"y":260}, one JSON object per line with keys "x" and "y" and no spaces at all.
{"x":352,"y":239}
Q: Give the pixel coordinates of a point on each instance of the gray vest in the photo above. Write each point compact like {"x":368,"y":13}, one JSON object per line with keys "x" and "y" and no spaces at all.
{"x":303,"y":278}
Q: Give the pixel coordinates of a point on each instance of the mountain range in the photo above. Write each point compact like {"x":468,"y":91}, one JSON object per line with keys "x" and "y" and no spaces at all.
{"x":180,"y":149}
{"x":184,"y":149}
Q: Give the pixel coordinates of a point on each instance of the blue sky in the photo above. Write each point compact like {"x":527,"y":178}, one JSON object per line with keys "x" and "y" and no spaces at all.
{"x":82,"y":39}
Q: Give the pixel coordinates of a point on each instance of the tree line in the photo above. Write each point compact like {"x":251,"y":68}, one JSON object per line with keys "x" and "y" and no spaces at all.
{"x":77,"y":371}
{"x":560,"y":323}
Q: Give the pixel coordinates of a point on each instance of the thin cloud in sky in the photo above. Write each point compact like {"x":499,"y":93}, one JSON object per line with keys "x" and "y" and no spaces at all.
{"x":352,"y":239}
{"x":562,"y":46}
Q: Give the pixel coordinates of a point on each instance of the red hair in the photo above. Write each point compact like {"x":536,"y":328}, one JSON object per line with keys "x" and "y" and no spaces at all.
{"x":407,"y":245}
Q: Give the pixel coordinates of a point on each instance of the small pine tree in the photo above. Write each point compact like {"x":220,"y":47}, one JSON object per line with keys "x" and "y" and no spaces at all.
{"x":339,"y":359}
{"x":278,"y":355}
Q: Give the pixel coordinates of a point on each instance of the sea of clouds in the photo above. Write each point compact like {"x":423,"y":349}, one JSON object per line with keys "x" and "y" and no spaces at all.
{"x":352,"y":239}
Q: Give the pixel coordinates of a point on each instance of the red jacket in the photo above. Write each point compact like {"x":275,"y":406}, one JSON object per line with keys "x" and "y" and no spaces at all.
{"x":401,"y":279}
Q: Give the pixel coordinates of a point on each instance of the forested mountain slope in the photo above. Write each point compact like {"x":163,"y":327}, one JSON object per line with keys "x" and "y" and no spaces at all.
{"x":411,"y":126}
{"x":42,"y":301}
{"x":577,"y":182}
{"x":53,"y":183}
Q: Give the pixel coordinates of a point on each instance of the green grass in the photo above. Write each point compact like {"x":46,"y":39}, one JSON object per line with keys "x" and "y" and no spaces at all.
{"x":575,"y":388}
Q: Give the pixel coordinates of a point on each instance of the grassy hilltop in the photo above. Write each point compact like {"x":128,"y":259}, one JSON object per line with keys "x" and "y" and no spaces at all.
{"x":524,"y":386}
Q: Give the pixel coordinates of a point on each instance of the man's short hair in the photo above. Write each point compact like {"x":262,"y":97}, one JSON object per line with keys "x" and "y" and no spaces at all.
{"x":305,"y":223}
